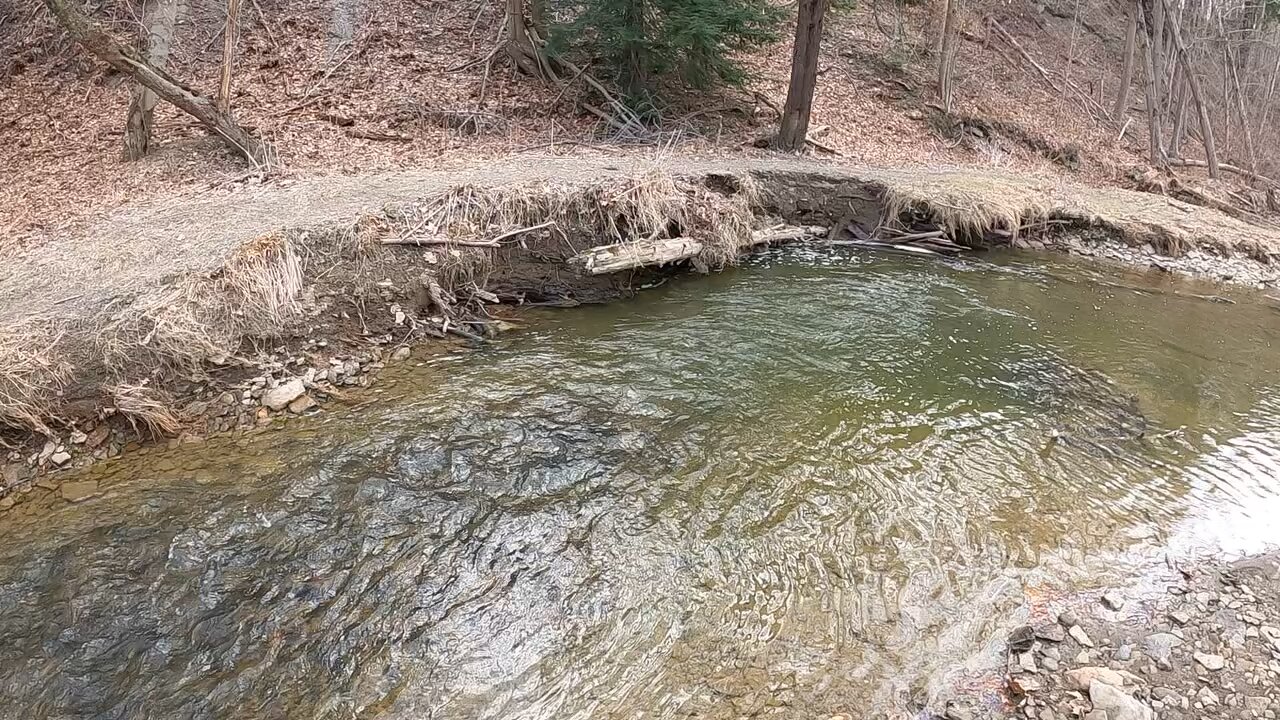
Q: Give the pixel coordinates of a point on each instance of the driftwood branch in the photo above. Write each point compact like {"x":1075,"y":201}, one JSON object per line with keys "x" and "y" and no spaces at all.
{"x":655,"y":252}
{"x":637,"y":254}
{"x":1226,"y":167}
{"x":419,"y":241}
{"x":521,"y":231}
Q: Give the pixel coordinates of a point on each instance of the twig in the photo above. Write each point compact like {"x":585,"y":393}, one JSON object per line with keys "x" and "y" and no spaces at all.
{"x":262,"y":20}
{"x":439,"y":241}
{"x":519,"y":231}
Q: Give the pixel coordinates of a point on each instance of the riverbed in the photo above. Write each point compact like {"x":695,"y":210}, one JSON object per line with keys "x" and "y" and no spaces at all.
{"x":822,"y":482}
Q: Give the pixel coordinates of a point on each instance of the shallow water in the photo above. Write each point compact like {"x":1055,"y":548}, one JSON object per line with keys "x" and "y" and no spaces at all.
{"x":819,"y":483}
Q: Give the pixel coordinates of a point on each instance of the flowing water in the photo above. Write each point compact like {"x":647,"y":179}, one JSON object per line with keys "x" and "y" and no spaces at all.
{"x":819,"y":483}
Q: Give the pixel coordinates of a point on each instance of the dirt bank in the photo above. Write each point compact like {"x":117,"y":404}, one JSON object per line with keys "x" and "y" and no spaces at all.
{"x":223,"y":310}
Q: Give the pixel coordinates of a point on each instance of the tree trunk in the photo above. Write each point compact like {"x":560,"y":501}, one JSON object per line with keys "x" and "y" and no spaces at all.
{"x":524,"y":54}
{"x":635,"y":74}
{"x":538,"y":17}
{"x":1179,"y":117}
{"x":1233,"y":73}
{"x":229,"y":34}
{"x":1158,"y":56}
{"x":804,"y":75}
{"x":1155,"y":137}
{"x":1130,"y":53}
{"x":1193,"y":83}
{"x":128,"y":61}
{"x":947,"y":51}
{"x":159,"y":17}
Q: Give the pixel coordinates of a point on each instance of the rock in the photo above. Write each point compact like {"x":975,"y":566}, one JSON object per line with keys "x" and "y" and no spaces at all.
{"x":1080,"y":678}
{"x":78,"y":438}
{"x":1067,"y":618}
{"x":1021,"y":639}
{"x":77,"y":491}
{"x":278,"y":398}
{"x":1124,"y":653}
{"x":1159,"y":647}
{"x":1180,"y":617}
{"x":1207,"y":697}
{"x":1084,"y":657}
{"x":1026,"y":662}
{"x":7,"y":502}
{"x":12,"y":474}
{"x":1049,"y":663}
{"x":958,"y":711}
{"x":98,"y":435}
{"x":302,"y":404}
{"x":1166,"y":695}
{"x":1024,"y":684}
{"x":1110,"y":703}
{"x":60,"y":458}
{"x":1112,"y":600}
{"x":1078,"y":634}
{"x":1210,"y":662}
{"x":1051,"y":633}
{"x":401,"y":354}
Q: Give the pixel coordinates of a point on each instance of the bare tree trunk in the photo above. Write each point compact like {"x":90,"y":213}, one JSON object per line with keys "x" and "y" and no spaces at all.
{"x":1158,"y":51}
{"x":947,"y":52}
{"x":804,"y":75}
{"x":229,"y":34}
{"x":1233,"y":73}
{"x":1193,"y":83}
{"x":159,"y":17}
{"x":1130,"y":51}
{"x":1155,"y":134}
{"x":128,"y":61}
{"x":1179,"y":117}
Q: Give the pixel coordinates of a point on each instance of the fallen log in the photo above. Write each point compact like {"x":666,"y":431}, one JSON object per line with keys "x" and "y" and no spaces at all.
{"x":658,"y":252}
{"x":637,"y":254}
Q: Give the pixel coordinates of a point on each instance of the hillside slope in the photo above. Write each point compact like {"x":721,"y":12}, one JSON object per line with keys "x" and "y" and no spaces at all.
{"x":348,"y":87}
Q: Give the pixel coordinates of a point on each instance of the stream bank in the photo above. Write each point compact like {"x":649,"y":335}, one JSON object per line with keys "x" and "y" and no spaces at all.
{"x":288,"y":319}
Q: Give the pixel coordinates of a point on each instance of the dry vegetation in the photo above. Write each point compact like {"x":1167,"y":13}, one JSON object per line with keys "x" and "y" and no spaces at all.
{"x":322,"y":98}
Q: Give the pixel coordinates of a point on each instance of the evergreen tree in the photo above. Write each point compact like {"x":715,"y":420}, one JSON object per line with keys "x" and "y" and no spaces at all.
{"x":645,"y":41}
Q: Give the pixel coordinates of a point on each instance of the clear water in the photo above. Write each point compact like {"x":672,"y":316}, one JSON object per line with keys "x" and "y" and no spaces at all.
{"x":819,"y":483}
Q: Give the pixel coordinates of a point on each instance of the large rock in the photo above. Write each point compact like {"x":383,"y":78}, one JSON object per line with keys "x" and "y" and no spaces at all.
{"x":1159,"y":647}
{"x":1083,"y":678}
{"x":279,"y":397}
{"x":1210,"y":661}
{"x":1110,"y":703}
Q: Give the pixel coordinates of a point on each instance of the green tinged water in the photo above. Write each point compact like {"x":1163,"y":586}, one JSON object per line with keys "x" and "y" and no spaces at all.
{"x":819,"y":483}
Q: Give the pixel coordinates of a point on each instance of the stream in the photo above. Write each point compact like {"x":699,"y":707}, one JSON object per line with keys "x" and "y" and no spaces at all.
{"x":821,"y":482}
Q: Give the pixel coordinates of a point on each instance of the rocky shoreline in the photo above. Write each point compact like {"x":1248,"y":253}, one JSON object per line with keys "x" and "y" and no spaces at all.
{"x":1203,"y":643}
{"x":324,"y":363}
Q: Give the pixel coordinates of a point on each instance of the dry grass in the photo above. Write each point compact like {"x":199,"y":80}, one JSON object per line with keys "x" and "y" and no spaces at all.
{"x":206,"y":315}
{"x":650,"y":205}
{"x":969,"y":209}
{"x":146,"y":405}
{"x":31,"y":376}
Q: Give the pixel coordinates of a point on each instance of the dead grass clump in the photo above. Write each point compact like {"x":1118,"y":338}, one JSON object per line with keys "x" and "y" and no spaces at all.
{"x":648,"y":206}
{"x":205,"y":316}
{"x":969,"y":209}
{"x":146,"y":405}
{"x":30,"y":377}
